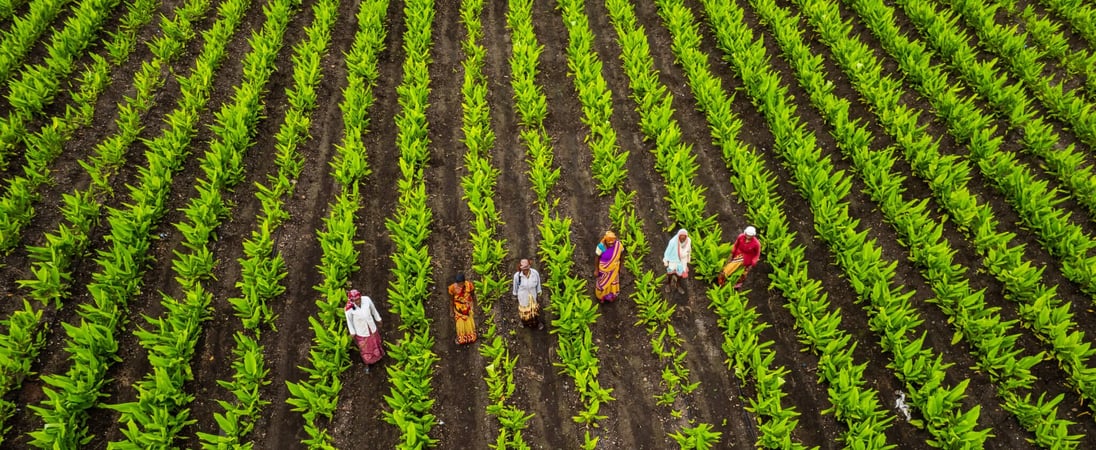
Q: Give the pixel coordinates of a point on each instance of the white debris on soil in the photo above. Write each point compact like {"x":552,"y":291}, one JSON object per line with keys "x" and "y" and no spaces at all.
{"x":901,"y":406}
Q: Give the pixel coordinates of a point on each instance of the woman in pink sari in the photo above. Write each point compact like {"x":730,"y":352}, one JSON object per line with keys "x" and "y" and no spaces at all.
{"x":364,"y":323}
{"x":608,"y":267}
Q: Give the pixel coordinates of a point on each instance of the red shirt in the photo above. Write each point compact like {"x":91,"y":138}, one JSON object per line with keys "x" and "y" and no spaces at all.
{"x":750,"y":250}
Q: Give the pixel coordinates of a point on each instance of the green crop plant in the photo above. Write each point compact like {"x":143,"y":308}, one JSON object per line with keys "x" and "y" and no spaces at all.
{"x":161,"y":409}
{"x":1019,"y":367}
{"x":700,"y":437}
{"x":488,"y":250}
{"x":16,"y":208}
{"x":24,"y":32}
{"x":1023,"y":285}
{"x":122,"y":264}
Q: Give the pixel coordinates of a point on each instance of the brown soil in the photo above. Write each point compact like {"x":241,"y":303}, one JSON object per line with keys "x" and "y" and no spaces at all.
{"x":634,"y":420}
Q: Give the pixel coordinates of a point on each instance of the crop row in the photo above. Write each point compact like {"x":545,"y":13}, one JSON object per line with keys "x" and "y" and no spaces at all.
{"x":530,"y":102}
{"x":597,"y":105}
{"x":52,"y":261}
{"x":317,"y":397}
{"x":980,"y":324}
{"x":655,"y":311}
{"x":23,"y":338}
{"x":1047,"y":35}
{"x":1010,"y":100}
{"x":1053,"y":323}
{"x":38,"y":84}
{"x":93,"y":344}
{"x":488,"y":250}
{"x":160,"y":409}
{"x":25,"y":32}
{"x":262,"y":269}
{"x":413,"y":357}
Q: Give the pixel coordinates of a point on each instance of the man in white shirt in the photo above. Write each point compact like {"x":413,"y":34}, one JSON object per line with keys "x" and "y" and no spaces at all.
{"x":526,"y":289}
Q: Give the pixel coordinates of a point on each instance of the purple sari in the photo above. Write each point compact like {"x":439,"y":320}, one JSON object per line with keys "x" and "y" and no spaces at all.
{"x":608,"y":272}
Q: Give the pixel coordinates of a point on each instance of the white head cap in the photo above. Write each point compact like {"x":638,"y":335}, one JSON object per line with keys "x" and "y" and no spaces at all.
{"x":751,"y":231}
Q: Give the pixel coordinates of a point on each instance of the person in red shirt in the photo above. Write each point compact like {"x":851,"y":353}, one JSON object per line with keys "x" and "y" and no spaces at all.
{"x":746,"y":252}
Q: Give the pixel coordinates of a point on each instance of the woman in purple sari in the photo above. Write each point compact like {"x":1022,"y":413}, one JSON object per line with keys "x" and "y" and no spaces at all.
{"x":608,"y":267}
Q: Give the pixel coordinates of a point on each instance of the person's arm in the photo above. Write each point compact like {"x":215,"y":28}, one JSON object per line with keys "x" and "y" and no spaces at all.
{"x":373,"y":310}
{"x":452,"y":309}
{"x":516,"y":283}
{"x":597,"y":258}
{"x":757,"y":252}
{"x":666,"y":253}
{"x":350,"y":322}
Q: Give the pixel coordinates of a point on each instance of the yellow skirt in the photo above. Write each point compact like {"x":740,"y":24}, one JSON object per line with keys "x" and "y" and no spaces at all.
{"x":531,"y":312}
{"x":466,"y":329}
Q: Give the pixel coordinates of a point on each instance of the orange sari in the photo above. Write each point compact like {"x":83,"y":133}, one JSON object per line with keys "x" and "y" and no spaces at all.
{"x":463,"y":312}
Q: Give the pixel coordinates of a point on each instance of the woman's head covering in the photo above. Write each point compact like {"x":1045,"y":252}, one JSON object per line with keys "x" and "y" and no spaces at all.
{"x":609,"y":237}
{"x":352,"y":295}
{"x":459,"y":278}
{"x":750,"y":231}
{"x":682,"y":231}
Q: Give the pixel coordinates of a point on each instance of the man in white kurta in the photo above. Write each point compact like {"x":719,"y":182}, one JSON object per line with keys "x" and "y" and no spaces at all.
{"x":526,"y":289}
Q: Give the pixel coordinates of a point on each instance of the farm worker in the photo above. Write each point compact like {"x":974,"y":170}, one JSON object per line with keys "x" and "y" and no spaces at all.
{"x":608,"y":267}
{"x":526,"y":289}
{"x":745,"y":253}
{"x":461,"y":292}
{"x":364,"y":322}
{"x":679,"y":251}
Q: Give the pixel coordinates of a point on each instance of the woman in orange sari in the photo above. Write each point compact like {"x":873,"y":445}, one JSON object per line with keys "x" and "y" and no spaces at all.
{"x":461,"y":294}
{"x":608,"y":268}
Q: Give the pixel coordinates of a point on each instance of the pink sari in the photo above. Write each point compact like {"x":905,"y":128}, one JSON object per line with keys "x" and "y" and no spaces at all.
{"x":370,"y":347}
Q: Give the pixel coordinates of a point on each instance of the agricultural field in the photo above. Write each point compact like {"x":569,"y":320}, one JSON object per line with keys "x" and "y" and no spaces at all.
{"x":190,"y":187}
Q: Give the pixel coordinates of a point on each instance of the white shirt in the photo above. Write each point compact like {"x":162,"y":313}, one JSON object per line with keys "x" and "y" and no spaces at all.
{"x":526,"y":286}
{"x":362,"y":320}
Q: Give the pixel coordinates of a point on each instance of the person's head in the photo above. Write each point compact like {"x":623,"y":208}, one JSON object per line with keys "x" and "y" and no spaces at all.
{"x":682,"y":235}
{"x":459,"y":278}
{"x":750,"y":232}
{"x":524,"y":265}
{"x":609,"y":238}
{"x":354,"y":296}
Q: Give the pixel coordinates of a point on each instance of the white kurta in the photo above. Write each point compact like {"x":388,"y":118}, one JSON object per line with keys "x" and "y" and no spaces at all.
{"x":526,"y":287}
{"x":362,"y":320}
